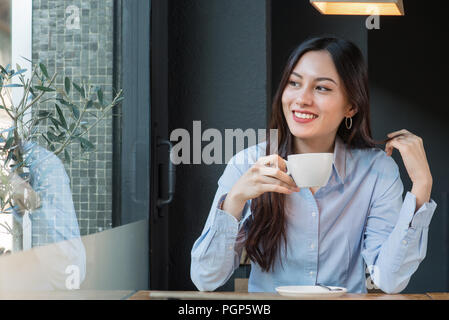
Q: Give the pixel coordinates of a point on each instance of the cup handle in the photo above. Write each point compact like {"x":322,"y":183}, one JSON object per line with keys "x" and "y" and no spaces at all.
{"x":288,"y":171}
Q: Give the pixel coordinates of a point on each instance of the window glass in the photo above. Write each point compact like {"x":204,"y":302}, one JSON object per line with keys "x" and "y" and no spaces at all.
{"x":56,"y":148}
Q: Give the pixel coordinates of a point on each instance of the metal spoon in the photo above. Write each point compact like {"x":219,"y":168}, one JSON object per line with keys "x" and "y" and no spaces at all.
{"x":329,"y":288}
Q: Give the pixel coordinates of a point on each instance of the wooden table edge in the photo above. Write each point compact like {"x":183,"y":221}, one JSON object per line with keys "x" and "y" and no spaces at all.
{"x":438,"y":295}
{"x":199,"y":295}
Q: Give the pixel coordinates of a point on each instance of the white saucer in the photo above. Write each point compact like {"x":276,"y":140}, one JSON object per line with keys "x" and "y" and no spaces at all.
{"x":310,"y":291}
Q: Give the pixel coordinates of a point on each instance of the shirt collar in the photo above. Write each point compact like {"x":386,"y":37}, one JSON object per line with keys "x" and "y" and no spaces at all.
{"x":340,"y":158}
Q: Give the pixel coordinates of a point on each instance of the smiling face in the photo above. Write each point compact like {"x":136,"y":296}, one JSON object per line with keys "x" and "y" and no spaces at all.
{"x":314,"y":100}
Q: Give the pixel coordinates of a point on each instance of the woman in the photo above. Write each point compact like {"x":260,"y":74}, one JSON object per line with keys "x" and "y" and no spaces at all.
{"x":307,"y":236}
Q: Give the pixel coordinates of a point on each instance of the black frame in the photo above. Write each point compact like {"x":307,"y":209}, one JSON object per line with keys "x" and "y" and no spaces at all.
{"x":132,"y":121}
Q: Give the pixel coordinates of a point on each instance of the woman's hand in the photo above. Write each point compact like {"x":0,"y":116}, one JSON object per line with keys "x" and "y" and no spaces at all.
{"x":411,"y":148}
{"x":268,"y":174}
{"x":23,"y":194}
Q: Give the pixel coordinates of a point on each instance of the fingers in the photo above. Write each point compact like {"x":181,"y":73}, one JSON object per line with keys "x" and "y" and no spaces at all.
{"x":277,"y":174}
{"x":402,"y":132}
{"x":273,"y":160}
{"x":275,"y":188}
{"x":276,"y":182}
{"x":402,"y":140}
{"x":397,"y":143}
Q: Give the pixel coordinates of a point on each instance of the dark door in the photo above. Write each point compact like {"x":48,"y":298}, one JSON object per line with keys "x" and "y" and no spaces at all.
{"x":162,"y":182}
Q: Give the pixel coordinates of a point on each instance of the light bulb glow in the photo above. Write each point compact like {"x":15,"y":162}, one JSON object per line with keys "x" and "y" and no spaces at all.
{"x":387,"y":8}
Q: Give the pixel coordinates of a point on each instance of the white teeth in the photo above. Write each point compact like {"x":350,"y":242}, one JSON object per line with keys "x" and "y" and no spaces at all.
{"x":305,"y":115}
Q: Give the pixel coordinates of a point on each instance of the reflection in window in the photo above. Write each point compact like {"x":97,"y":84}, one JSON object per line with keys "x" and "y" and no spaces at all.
{"x":6,"y":224}
{"x":5,"y":32}
{"x":67,"y":199}
{"x":75,"y":39}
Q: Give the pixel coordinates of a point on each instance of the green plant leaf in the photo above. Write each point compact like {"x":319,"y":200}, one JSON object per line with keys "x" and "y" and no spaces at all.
{"x":93,"y":115}
{"x":89,"y":104}
{"x":64,"y":102}
{"x":66,"y":156}
{"x":52,"y":137}
{"x":75,"y":111}
{"x":10,"y":155}
{"x":19,"y":72}
{"x":12,"y":85}
{"x":117,"y":101}
{"x":44,"y":70}
{"x":32,"y":92}
{"x":46,"y":139}
{"x":26,"y":59}
{"x":61,"y":117}
{"x":67,"y":85}
{"x":8,"y":130}
{"x":79,"y":89}
{"x":9,"y":143}
{"x":15,"y":167}
{"x":56,"y":123}
{"x":86,"y":145}
{"x":100,"y":96}
{"x":53,"y":130}
{"x":44,"y":114}
{"x":45,"y":89}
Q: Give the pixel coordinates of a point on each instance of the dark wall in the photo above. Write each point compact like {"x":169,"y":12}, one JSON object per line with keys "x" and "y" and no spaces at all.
{"x":218,"y":75}
{"x":408,"y":76}
{"x":293,"y":21}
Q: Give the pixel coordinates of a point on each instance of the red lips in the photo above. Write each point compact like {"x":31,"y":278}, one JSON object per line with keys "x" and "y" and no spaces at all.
{"x":301,"y":120}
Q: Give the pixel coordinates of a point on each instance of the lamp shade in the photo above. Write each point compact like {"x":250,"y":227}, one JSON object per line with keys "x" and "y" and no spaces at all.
{"x":360,"y":7}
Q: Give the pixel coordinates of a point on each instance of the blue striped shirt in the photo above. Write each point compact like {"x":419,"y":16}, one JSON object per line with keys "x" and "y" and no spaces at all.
{"x":358,"y":221}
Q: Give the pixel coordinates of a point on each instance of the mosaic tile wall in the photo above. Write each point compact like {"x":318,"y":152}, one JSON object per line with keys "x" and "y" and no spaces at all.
{"x":75,"y":38}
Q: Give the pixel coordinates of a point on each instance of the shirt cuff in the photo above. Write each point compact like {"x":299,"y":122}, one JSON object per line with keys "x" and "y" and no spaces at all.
{"x":419,"y":219}
{"x":226,"y":218}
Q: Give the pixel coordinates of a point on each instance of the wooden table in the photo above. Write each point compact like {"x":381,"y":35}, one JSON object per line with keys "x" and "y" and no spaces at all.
{"x":67,"y":295}
{"x":438,"y":295}
{"x":196,"y":295}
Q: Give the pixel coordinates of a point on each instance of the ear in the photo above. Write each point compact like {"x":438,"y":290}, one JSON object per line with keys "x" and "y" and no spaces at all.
{"x":351,"y":111}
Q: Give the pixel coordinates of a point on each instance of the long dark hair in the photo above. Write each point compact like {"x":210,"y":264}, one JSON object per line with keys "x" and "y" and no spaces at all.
{"x":267,"y":229}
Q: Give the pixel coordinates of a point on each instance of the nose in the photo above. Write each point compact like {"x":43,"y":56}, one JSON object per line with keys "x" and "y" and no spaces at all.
{"x":304,"y":97}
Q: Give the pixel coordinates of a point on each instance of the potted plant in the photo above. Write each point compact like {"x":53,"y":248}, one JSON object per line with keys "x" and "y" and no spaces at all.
{"x":75,"y":108}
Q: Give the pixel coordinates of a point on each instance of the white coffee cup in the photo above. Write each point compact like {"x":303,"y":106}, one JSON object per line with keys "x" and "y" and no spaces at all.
{"x":310,"y":169}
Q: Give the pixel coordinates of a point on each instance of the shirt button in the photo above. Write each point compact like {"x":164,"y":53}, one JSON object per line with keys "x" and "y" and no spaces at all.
{"x":312,"y":246}
{"x":314,"y":214}
{"x":404,"y":242}
{"x":311,"y":273}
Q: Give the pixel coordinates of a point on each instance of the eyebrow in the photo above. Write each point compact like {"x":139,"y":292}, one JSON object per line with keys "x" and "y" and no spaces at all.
{"x":317,"y":79}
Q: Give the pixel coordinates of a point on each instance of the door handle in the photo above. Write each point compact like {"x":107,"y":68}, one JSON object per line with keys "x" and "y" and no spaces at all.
{"x":171,"y":174}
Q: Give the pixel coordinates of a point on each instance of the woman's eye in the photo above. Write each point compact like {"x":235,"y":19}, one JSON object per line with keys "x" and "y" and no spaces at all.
{"x":293,"y":83}
{"x":323,"y":88}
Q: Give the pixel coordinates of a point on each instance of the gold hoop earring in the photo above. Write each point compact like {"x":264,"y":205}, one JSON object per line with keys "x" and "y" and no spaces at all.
{"x":348,"y":126}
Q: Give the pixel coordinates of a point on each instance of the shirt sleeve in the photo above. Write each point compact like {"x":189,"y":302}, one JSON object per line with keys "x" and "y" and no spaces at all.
{"x":395,"y":238}
{"x":55,"y":221}
{"x":216,"y":253}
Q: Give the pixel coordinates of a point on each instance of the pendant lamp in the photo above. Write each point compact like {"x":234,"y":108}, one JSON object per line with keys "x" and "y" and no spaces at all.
{"x":360,"y":7}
